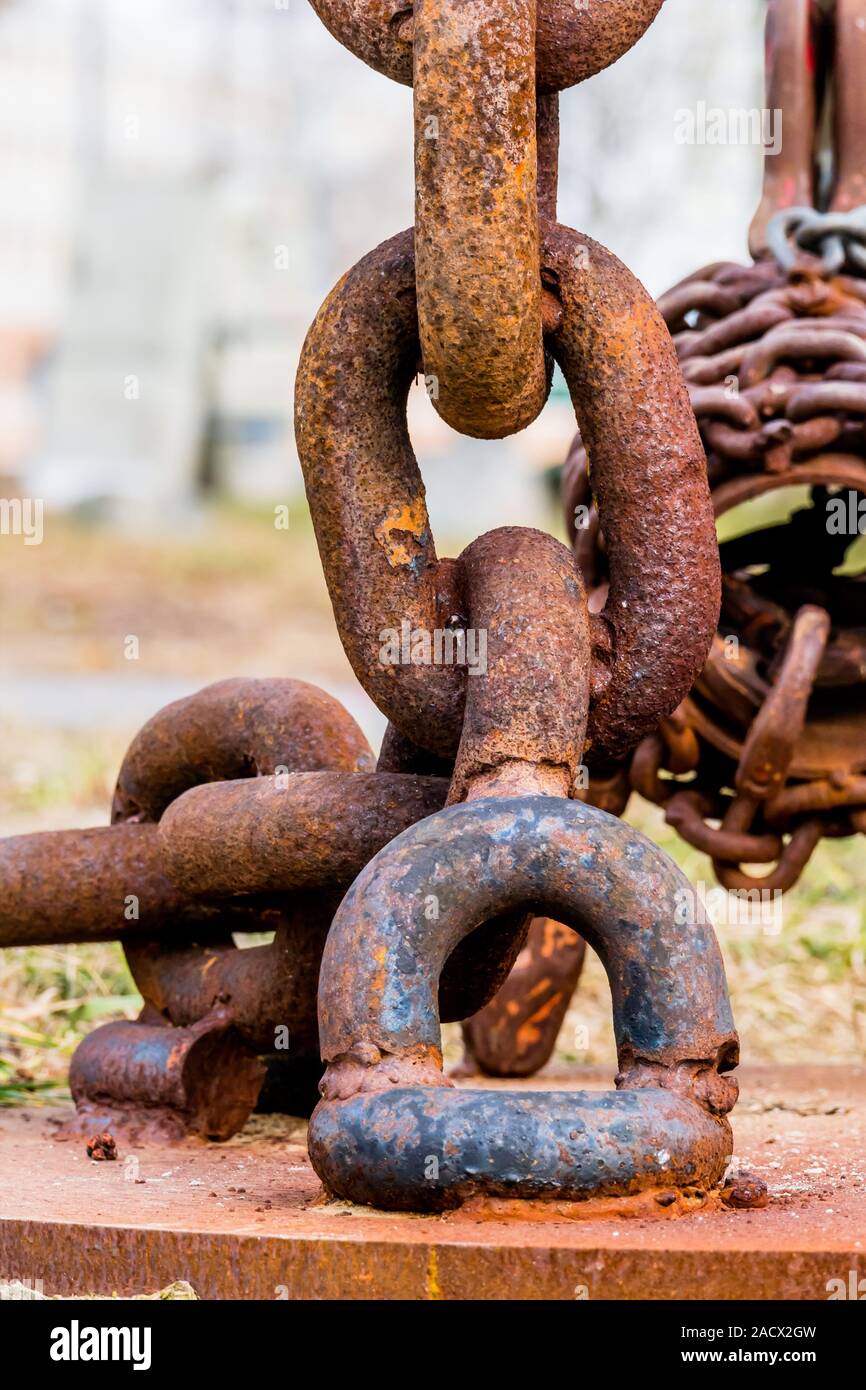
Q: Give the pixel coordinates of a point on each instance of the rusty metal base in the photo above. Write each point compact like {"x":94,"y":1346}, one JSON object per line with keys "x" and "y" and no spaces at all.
{"x":244,"y":1220}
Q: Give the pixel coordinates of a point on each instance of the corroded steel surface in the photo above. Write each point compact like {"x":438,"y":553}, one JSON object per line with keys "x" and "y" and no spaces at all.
{"x":648,"y":471}
{"x":766,"y":753}
{"x":524,"y":729}
{"x":530,"y":707}
{"x":101,"y":870}
{"x":201,"y":1080}
{"x":790,"y":66}
{"x":246,"y":1220}
{"x":254,"y":804}
{"x":387,"y":1110}
{"x":476,"y":213}
{"x":815,"y":56}
{"x":574,"y":41}
{"x":370,"y":514}
{"x":778,"y":709}
{"x":261,"y":835}
{"x":849,"y":189}
{"x":235,"y":728}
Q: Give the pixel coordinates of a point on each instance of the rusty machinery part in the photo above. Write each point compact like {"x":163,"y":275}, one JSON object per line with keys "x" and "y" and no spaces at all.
{"x":483,"y":295}
{"x":200,"y":1080}
{"x":573,"y":42}
{"x":236,"y":728}
{"x":774,"y":355}
{"x":815,"y":58}
{"x":201,"y":851}
{"x":387,"y":1107}
{"x":476,"y":213}
{"x":367,"y":498}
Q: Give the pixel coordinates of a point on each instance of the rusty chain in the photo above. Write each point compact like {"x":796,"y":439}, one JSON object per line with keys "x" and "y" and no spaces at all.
{"x":768,"y":752}
{"x":256,"y":806}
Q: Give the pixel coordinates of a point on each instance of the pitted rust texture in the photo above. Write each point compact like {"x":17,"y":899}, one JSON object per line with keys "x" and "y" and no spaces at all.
{"x":778,"y":710}
{"x":201,"y":1080}
{"x":648,"y":471}
{"x":850,"y":109}
{"x":365,"y":490}
{"x":522,"y":590}
{"x":259,"y":987}
{"x":476,"y":214}
{"x":102,"y":884}
{"x":777,"y":727}
{"x":384,"y":1107}
{"x":235,"y":728}
{"x":574,"y":41}
{"x":226,"y":732}
{"x":265,"y":835}
{"x":489,"y":955}
{"x":372,"y":527}
{"x":524,"y":730}
{"x":485,"y":857}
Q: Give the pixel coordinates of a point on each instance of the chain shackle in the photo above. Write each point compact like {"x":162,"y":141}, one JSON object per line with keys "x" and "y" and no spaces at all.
{"x":573,"y":41}
{"x":386,"y":1106}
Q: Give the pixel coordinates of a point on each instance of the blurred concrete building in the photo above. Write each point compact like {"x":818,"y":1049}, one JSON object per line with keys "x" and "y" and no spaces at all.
{"x":184,"y":181}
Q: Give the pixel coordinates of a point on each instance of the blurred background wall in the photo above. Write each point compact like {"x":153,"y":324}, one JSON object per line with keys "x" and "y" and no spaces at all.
{"x":183,"y":182}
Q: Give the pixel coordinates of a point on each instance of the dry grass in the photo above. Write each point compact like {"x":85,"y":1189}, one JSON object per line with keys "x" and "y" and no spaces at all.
{"x":238,"y":597}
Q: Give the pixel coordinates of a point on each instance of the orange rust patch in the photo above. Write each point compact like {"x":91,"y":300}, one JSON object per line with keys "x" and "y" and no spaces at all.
{"x":409,"y":520}
{"x":528,"y":1032}
{"x":665,"y":1203}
